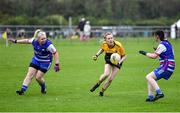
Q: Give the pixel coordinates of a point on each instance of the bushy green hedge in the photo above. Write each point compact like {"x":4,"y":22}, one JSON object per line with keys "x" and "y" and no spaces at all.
{"x":60,"y":20}
{"x":24,"y":20}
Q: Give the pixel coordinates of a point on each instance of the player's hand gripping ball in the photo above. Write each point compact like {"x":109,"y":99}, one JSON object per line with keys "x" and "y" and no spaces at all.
{"x":115,"y":58}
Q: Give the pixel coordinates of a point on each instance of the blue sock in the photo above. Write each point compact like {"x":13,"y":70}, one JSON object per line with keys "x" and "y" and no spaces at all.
{"x":151,"y":97}
{"x":23,"y":88}
{"x":158,"y":91}
{"x":43,"y":86}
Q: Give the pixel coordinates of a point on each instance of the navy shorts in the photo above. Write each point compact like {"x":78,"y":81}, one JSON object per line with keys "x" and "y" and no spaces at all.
{"x":162,"y":73}
{"x":42,"y":66}
{"x":107,"y":60}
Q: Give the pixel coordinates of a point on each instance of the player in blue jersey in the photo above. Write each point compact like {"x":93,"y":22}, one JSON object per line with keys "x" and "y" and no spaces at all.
{"x":167,"y":65}
{"x":44,"y":51}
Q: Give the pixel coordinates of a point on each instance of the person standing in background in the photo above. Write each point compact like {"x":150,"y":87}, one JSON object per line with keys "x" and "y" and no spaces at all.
{"x":87,"y":30}
{"x":80,"y":28}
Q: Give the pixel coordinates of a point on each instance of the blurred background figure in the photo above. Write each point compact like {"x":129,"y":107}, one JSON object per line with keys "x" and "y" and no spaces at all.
{"x":80,"y":28}
{"x":9,"y":33}
{"x":21,"y":33}
{"x":87,"y":30}
{"x":176,"y":31}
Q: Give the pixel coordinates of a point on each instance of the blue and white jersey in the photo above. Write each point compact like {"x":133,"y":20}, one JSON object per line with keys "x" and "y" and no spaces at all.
{"x":44,"y":52}
{"x":166,"y":54}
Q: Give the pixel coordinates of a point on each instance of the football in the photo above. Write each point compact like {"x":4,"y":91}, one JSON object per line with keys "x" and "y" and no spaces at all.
{"x":115,"y":58}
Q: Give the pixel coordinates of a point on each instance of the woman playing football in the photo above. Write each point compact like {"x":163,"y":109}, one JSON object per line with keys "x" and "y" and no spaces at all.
{"x":109,"y":46}
{"x":44,"y":50}
{"x":165,"y":53}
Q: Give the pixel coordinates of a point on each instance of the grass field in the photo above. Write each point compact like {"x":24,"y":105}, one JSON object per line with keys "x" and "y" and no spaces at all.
{"x":68,"y":90}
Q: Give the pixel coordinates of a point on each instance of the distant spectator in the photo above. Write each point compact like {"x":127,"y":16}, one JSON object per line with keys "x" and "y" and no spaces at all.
{"x":80,"y":28}
{"x":176,"y":31}
{"x":9,"y":33}
{"x":81,"y":24}
{"x":87,"y":30}
{"x":51,"y":34}
{"x":166,"y":33}
{"x":21,"y":33}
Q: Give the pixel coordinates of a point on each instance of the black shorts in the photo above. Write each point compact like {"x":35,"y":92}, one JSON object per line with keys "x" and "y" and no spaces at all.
{"x":37,"y":67}
{"x":107,"y":60}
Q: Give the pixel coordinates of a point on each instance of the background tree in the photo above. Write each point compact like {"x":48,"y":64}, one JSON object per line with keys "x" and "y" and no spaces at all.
{"x":99,"y":12}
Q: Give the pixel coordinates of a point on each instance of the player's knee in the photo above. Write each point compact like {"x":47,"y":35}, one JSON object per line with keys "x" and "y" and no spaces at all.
{"x":148,"y":77}
{"x":106,"y":74}
{"x":38,"y":77}
{"x":110,"y":80}
{"x":28,"y":78}
{"x":30,"y":74}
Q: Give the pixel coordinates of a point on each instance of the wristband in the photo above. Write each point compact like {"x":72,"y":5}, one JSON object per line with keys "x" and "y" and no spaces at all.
{"x":57,"y":64}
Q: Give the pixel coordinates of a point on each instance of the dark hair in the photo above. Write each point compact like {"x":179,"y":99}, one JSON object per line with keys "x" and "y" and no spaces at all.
{"x":160,"y":34}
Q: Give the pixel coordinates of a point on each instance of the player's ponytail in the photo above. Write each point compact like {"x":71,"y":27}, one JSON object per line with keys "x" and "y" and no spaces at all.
{"x":36,"y":33}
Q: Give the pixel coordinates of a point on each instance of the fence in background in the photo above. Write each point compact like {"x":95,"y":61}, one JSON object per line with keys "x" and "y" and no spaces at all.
{"x":97,"y":31}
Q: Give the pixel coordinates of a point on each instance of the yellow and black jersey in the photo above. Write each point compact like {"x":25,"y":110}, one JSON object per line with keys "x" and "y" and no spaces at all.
{"x":117,"y":48}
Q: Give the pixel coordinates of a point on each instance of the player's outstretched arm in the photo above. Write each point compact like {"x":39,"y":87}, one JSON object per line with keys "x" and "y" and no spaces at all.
{"x":21,"y":41}
{"x":142,"y":52}
{"x":97,"y":54}
{"x":150,"y":55}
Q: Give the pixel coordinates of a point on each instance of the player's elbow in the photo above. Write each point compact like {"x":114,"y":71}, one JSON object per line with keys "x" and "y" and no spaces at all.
{"x":154,"y":56}
{"x":55,"y":53}
{"x":124,"y":57}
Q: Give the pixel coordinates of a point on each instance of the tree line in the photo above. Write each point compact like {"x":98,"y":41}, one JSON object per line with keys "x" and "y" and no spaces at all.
{"x":98,"y":12}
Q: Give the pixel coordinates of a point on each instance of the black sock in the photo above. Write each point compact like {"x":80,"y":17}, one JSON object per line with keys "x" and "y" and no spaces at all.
{"x":96,"y":86}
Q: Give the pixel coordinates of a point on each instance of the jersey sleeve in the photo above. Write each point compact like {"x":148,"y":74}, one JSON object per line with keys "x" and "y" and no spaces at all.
{"x":122,"y":50}
{"x":51,"y":48}
{"x":161,"y":48}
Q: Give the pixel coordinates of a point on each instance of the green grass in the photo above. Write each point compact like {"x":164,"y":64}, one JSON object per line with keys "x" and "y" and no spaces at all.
{"x":68,"y":90}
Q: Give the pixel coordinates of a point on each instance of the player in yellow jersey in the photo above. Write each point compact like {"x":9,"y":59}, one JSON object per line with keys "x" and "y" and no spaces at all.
{"x":109,"y":46}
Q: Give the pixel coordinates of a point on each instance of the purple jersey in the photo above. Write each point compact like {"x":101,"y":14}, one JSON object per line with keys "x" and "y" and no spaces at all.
{"x":167,"y":62}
